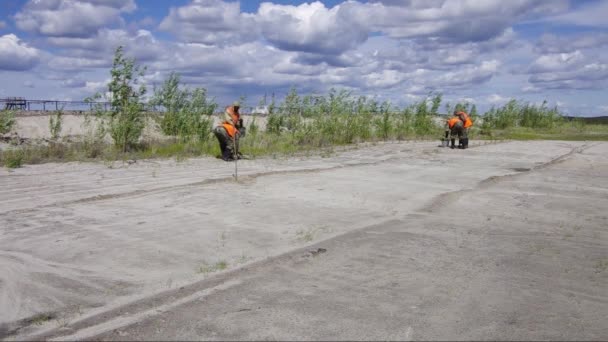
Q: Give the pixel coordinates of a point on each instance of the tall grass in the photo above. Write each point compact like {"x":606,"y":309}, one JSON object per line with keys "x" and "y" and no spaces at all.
{"x":520,"y":114}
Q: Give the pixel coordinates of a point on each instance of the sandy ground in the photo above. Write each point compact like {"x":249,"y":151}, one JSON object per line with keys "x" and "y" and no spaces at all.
{"x":400,"y":241}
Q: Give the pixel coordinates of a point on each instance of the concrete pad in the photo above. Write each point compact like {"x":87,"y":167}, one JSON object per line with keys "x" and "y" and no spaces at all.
{"x":412,"y":246}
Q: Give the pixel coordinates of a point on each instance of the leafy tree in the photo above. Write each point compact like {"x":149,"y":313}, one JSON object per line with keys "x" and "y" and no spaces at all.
{"x":126,"y":119}
{"x":187,"y":112}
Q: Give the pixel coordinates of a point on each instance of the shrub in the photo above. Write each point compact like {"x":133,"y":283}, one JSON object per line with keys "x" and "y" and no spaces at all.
{"x":7,"y":121}
{"x":126,"y":120}
{"x":13,"y":158}
{"x":187,"y":112}
{"x":55,"y":124}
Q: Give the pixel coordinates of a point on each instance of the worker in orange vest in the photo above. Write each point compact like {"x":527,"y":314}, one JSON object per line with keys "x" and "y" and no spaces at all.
{"x":456,"y":128}
{"x":229,"y":131}
{"x":466,"y":124}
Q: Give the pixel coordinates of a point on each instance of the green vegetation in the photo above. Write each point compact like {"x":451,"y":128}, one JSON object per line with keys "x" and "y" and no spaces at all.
{"x":55,"y":124}
{"x":299,"y":124}
{"x":187,"y":113}
{"x":7,"y":121}
{"x":218,"y":266}
{"x":126,"y":119}
{"x":524,"y":121}
{"x":12,"y":159}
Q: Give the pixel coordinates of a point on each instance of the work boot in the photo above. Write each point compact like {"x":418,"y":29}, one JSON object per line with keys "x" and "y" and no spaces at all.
{"x":466,"y":143}
{"x":453,"y":143}
{"x":227,"y":155}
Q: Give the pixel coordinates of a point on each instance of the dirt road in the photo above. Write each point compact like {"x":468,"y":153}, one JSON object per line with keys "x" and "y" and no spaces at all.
{"x":393,"y":241}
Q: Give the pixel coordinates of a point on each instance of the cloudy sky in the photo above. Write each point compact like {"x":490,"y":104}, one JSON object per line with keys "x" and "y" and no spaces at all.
{"x":481,"y":51}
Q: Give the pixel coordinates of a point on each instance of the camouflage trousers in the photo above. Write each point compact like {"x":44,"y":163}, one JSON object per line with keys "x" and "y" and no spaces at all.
{"x":227,"y":143}
{"x":458,"y":131}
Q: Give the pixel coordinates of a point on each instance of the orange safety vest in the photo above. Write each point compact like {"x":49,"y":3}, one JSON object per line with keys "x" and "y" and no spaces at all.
{"x":235,"y":116}
{"x":468,"y":123}
{"x":230,"y":129}
{"x":466,"y":120}
{"x":452,"y":122}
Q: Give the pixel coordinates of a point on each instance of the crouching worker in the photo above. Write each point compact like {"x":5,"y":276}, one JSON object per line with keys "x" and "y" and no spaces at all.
{"x":456,"y":128}
{"x":466,"y":124}
{"x":229,"y":131}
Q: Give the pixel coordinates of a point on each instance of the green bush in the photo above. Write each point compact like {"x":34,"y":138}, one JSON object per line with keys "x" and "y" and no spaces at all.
{"x":7,"y":121}
{"x":126,"y":119}
{"x":55,"y":124}
{"x":518,"y":114}
{"x":188,"y":113}
{"x":12,"y":158}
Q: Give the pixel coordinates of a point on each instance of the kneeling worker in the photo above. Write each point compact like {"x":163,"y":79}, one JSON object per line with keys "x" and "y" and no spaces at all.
{"x":229,"y":131}
{"x":456,"y":128}
{"x":466,"y":124}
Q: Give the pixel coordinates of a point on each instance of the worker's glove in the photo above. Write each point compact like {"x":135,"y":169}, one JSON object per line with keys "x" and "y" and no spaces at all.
{"x":239,"y":124}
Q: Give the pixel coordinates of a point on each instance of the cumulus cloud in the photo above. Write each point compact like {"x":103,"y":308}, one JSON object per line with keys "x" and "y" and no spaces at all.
{"x":140,"y":44}
{"x":551,"y":43}
{"x":96,"y":87}
{"x":212,"y":22}
{"x":455,"y":20}
{"x":78,"y":64}
{"x":73,"y":83}
{"x":573,"y":70}
{"x":70,"y":18}
{"x":384,"y":79}
{"x":591,"y":15}
{"x":16,"y":55}
{"x":556,"y":62}
{"x":313,"y":27}
{"x":497,"y":99}
{"x":472,"y":75}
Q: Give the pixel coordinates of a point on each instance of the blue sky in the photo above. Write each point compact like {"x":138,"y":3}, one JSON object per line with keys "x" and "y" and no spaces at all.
{"x":483,"y":52}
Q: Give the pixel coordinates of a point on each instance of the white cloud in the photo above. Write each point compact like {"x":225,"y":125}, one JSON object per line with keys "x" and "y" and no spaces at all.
{"x":472,"y":75}
{"x":73,"y":83}
{"x":17,"y":55}
{"x":458,"y":56}
{"x":123,"y":5}
{"x":313,"y":27}
{"x":531,"y":89}
{"x":551,"y":43}
{"x":383,"y":79}
{"x":212,"y":22}
{"x":78,"y":64}
{"x":497,"y":99}
{"x":70,"y":18}
{"x":141,"y":44}
{"x":96,"y":87}
{"x":455,"y":20}
{"x":590,"y":15}
{"x":556,"y":62}
{"x":573,"y":70}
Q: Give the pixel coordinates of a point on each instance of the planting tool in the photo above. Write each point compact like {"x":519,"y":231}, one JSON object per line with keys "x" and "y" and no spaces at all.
{"x":236,"y":157}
